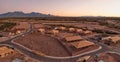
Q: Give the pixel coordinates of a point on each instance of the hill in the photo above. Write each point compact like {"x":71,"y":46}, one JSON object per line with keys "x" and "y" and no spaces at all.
{"x":22,"y":14}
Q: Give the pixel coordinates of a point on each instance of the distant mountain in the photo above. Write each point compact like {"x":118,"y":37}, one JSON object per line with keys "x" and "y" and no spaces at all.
{"x":22,"y":14}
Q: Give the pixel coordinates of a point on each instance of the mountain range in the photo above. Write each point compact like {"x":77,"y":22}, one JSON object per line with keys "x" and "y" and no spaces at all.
{"x":22,"y":14}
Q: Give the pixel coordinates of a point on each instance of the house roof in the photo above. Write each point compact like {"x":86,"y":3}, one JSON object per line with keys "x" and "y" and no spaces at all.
{"x":73,"y":38}
{"x":4,"y":50}
{"x":79,"y":30}
{"x":67,"y":35}
{"x":115,"y":39}
{"x":55,"y":31}
{"x":87,"y":32}
{"x":64,"y":35}
{"x":41,"y":29}
{"x":71,"y":29}
{"x":83,"y":58}
{"x":57,"y":28}
{"x":63,"y":28}
{"x":82,"y":44}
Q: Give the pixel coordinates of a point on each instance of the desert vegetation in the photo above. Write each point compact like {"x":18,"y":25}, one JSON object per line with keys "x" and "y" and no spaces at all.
{"x":6,"y":26}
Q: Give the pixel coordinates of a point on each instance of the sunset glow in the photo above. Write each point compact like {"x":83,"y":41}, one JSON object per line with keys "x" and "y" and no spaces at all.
{"x":64,"y":7}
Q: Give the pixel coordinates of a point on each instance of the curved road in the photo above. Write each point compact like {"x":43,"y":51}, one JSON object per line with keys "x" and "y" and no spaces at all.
{"x":46,"y":59}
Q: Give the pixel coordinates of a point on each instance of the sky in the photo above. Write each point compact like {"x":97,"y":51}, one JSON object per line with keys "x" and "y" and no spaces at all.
{"x":64,"y":7}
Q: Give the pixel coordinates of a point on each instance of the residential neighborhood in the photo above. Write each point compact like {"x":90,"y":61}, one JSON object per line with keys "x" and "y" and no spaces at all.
{"x":57,"y":42}
{"x":59,"y":30}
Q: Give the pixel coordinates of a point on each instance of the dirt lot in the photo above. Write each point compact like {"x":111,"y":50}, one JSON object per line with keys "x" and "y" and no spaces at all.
{"x":24,"y":25}
{"x":106,"y":57}
{"x":43,"y":43}
{"x":116,"y":46}
{"x":3,"y":39}
{"x":38,"y":26}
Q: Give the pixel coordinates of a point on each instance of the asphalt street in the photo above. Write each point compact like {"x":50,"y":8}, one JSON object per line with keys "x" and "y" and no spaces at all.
{"x":47,"y":59}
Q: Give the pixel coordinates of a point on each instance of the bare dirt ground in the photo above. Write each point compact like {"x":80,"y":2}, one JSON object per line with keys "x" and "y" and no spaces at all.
{"x":106,"y":57}
{"x":42,"y":43}
{"x":38,"y":26}
{"x":3,"y":39}
{"x":116,"y":46}
{"x":24,"y":25}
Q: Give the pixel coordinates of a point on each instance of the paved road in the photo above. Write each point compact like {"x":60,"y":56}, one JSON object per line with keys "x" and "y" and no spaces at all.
{"x":46,"y":59}
{"x":31,"y":54}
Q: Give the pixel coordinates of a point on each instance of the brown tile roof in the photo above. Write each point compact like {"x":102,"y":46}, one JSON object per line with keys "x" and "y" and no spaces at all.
{"x":83,"y":58}
{"x":82,"y":44}
{"x":64,"y":35}
{"x":73,"y":38}
{"x":68,"y":35}
{"x":87,"y":32}
{"x":41,"y":30}
{"x":112,"y":38}
{"x":115,"y":39}
{"x":4,"y":50}
{"x":55,"y":31}
{"x":63,"y":28}
{"x":79,"y":30}
{"x":71,"y":29}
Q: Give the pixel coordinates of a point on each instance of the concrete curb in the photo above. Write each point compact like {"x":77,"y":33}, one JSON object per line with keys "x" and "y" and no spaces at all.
{"x":114,"y":52}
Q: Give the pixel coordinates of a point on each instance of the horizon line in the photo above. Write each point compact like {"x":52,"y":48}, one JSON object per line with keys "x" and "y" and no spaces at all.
{"x":63,"y":15}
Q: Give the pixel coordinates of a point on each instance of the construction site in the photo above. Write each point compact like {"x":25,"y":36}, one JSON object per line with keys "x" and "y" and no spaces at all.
{"x":62,"y":40}
{"x":59,"y":30}
{"x":59,"y":41}
{"x":9,"y":54}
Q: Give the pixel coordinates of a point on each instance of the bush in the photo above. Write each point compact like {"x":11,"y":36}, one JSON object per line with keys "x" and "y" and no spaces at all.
{"x":1,"y":35}
{"x":6,"y":25}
